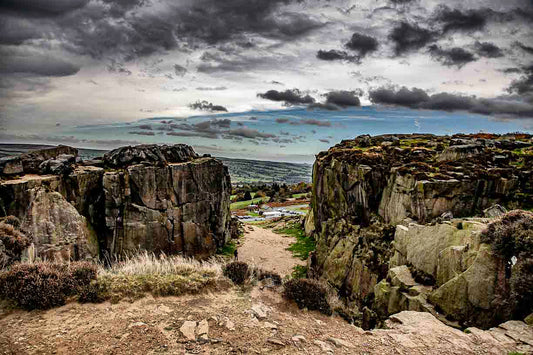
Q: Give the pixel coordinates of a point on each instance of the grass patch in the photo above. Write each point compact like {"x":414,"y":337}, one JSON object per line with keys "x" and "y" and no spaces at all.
{"x":299,"y":272}
{"x":303,"y":245}
{"x":243,"y":204}
{"x":228,"y":249}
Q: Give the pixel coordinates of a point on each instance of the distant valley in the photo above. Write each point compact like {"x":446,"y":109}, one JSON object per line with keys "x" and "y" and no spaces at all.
{"x":242,"y":171}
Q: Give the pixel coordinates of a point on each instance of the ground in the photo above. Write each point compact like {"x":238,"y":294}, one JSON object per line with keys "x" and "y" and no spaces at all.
{"x":253,"y":319}
{"x":268,"y":250}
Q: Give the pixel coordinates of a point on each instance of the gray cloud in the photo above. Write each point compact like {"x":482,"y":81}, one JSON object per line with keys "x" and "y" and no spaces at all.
{"x":334,"y":54}
{"x":408,"y":37}
{"x":143,"y":133}
{"x":207,"y":106}
{"x":179,"y":70}
{"x":343,"y":98}
{"x":35,"y":63}
{"x":488,"y":50}
{"x":245,"y":132}
{"x":362,"y":44}
{"x":451,"y":57}
{"x":525,"y":48}
{"x":419,"y":99}
{"x":289,"y":97}
{"x":41,"y":8}
{"x":211,"y":88}
{"x":457,"y":20}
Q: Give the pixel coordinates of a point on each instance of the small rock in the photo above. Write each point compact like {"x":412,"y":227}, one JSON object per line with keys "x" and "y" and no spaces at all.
{"x":323,"y":346}
{"x":229,"y":325}
{"x":187,"y":329}
{"x":259,"y":311}
{"x":203,"y":329}
{"x":270,"y":325}
{"x":340,"y":343}
{"x":136,"y":324}
{"x":299,"y":338}
{"x":275,"y":341}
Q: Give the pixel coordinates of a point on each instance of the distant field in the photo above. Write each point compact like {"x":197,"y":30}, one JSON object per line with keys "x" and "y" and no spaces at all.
{"x":243,"y":204}
{"x":253,"y":171}
{"x":241,"y":170}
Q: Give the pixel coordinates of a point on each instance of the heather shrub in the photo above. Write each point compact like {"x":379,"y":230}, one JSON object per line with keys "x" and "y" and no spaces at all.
{"x":308,"y":293}
{"x":34,"y":286}
{"x":511,"y":235}
{"x":522,"y":288}
{"x":44,"y":285}
{"x":12,"y":243}
{"x":13,"y":221}
{"x":237,"y":272}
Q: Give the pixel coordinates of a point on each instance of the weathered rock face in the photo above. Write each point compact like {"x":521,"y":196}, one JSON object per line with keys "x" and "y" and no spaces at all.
{"x":155,"y":198}
{"x":363,"y":190}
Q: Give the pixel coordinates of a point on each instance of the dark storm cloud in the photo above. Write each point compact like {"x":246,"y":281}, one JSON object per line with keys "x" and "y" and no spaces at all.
{"x":525,"y":48}
{"x":409,"y":37}
{"x":289,"y":97}
{"x":524,"y":85}
{"x":309,"y":121}
{"x":418,"y":99}
{"x":207,"y":106}
{"x":334,"y":54}
{"x":457,"y":20}
{"x":34,"y":63}
{"x":488,"y":50}
{"x":324,"y":140}
{"x":208,"y":21}
{"x":323,"y":106}
{"x":343,"y":98}
{"x":362,"y":44}
{"x":40,"y":7}
{"x":282,"y":120}
{"x":451,"y":57}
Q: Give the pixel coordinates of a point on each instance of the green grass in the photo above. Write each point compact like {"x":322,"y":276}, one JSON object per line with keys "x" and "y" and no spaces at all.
{"x":303,"y":245}
{"x":243,"y":204}
{"x":299,"y":195}
{"x":228,"y":249}
{"x":299,"y":272}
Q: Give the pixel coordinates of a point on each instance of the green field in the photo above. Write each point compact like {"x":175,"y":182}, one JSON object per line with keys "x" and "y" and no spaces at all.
{"x":243,"y":204}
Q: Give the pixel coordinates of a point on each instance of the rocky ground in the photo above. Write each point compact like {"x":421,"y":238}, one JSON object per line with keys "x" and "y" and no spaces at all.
{"x":253,"y":321}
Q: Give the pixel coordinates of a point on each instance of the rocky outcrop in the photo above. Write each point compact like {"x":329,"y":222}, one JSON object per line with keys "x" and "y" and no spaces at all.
{"x":39,"y":161}
{"x":373,"y":198}
{"x":155,"y":198}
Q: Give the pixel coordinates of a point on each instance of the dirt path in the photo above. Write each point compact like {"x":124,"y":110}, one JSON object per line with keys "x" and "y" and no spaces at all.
{"x":268,"y":250}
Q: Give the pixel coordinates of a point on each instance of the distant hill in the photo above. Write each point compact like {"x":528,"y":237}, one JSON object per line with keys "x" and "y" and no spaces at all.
{"x":254,"y":171}
{"x":241,"y":170}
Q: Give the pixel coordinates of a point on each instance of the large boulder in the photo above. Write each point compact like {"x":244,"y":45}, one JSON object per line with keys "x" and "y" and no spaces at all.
{"x":151,"y":154}
{"x":159,"y":199}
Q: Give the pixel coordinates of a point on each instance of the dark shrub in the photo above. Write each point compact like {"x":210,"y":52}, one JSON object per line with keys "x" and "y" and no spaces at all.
{"x":34,"y":286}
{"x":511,"y":235}
{"x":237,"y":272}
{"x":90,"y":293}
{"x":522,"y":288}
{"x":307,"y":293}
{"x":13,"y":221}
{"x":45,"y":285}
{"x":13,"y":242}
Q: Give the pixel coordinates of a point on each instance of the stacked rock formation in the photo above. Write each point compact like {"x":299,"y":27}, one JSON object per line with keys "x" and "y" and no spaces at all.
{"x":150,"y":197}
{"x":388,"y":215}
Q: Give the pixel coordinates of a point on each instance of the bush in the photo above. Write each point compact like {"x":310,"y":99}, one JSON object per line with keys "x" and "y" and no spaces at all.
{"x":511,"y":235}
{"x":13,"y":221}
{"x":237,"y":272}
{"x":522,"y":288}
{"x":308,"y":293}
{"x":45,"y":285}
{"x":34,"y":286}
{"x":13,"y":242}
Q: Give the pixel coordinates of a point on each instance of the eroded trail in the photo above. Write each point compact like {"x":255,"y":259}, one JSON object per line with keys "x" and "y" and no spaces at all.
{"x":268,"y":250}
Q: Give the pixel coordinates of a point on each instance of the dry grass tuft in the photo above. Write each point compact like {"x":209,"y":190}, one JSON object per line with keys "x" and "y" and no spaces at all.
{"x":160,"y":276}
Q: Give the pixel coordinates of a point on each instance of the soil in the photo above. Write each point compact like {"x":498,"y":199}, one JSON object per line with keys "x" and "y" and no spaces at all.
{"x":152,"y":326}
{"x":268,"y":250}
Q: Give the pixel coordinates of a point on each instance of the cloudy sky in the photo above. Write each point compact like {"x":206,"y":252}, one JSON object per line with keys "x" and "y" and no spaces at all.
{"x":69,"y":64}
